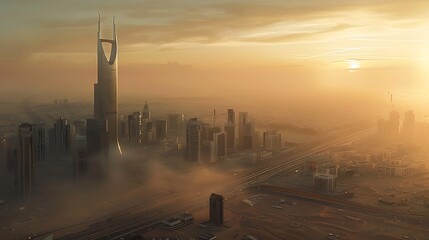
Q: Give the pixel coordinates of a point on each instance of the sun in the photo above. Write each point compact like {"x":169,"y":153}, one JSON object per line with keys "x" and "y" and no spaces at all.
{"x":353,"y":65}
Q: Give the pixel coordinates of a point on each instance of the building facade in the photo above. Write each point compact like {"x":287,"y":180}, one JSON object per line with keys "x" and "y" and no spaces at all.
{"x":106,"y":88}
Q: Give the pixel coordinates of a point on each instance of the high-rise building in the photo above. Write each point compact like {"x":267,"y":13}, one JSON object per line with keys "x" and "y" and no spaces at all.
{"x":39,"y":142}
{"x":219,"y":148}
{"x":161,"y":129}
{"x":135,"y":128}
{"x":243,"y":119}
{"x":60,"y":139}
{"x":272,"y":141}
{"x":230,"y":131}
{"x":193,"y":140}
{"x":248,"y":136}
{"x":231,"y":115}
{"x":146,"y":112}
{"x":176,"y":123}
{"x":80,"y":156}
{"x":106,"y":88}
{"x":25,"y":169}
{"x":97,"y":142}
{"x":408,"y":126}
{"x":147,"y":131}
{"x":216,"y":209}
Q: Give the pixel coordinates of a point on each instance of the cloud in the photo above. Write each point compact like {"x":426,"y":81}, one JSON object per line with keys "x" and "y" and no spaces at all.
{"x":299,"y":35}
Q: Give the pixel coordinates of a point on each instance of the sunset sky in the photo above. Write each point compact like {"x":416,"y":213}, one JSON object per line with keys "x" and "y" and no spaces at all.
{"x":201,"y":48}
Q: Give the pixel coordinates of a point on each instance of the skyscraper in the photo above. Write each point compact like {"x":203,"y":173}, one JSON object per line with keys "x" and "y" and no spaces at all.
{"x":147,"y":131}
{"x":97,"y":142}
{"x":39,"y":142}
{"x":25,"y":168}
{"x":216,"y":209}
{"x":80,"y":156}
{"x":219,"y":149}
{"x":193,"y":140}
{"x":231,"y":115}
{"x":135,"y":127}
{"x":176,"y":123}
{"x":146,"y":112}
{"x":243,"y":119}
{"x":106,"y":88}
{"x":61,"y":138}
{"x":249,"y":140}
{"x":161,"y":129}
{"x":230,"y":131}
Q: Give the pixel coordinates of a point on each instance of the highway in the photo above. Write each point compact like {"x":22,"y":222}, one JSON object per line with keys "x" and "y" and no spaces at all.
{"x":142,"y":217}
{"x":417,"y":220}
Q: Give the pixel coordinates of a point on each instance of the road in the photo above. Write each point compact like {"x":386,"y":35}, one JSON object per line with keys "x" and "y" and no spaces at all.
{"x":416,"y":220}
{"x":143,"y":217}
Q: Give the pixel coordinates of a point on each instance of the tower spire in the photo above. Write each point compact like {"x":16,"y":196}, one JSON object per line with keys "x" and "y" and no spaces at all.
{"x":99,"y":22}
{"x":114,"y":28}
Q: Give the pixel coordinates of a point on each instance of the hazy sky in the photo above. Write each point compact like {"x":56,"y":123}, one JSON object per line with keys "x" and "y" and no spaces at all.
{"x":216,"y":47}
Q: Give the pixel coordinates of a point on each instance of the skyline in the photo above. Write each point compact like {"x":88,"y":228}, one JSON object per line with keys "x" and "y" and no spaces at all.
{"x":148,"y":119}
{"x":188,"y":45}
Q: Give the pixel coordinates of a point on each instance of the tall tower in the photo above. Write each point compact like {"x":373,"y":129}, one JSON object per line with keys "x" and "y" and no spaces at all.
{"x":106,"y":88}
{"x":25,"y":169}
{"x":193,"y":140}
{"x":135,"y":128}
{"x":146,"y":112}
{"x":243,"y":119}
{"x":230,"y":130}
{"x":216,"y":209}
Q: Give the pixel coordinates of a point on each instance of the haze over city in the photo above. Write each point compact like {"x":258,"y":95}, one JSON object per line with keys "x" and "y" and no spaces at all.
{"x":214,"y":119}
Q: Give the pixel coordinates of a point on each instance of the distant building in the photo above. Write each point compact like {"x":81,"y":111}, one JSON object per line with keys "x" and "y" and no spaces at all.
{"x":97,"y":145}
{"x":161,"y":129}
{"x":213,"y":146}
{"x":409,"y":125}
{"x":193,"y":140}
{"x":148,"y":131}
{"x":60,"y":138}
{"x":325,"y":183}
{"x":135,"y":128}
{"x":272,"y":141}
{"x":176,"y":123}
{"x":396,"y":167}
{"x":249,"y":139}
{"x":146,"y":112}
{"x":389,"y":128}
{"x":243,"y":119}
{"x":216,"y":209}
{"x":230,"y":131}
{"x":26,"y":165}
{"x":80,"y":156}
{"x":39,"y":142}
{"x":219,"y":149}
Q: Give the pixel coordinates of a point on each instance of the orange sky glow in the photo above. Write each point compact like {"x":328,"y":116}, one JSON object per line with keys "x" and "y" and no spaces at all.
{"x":207,"y":48}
